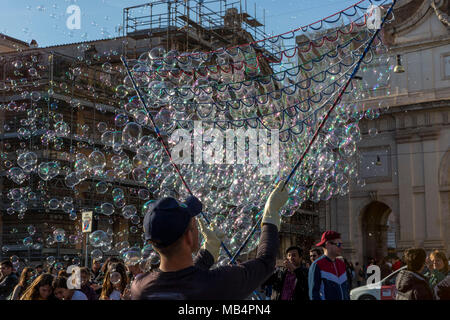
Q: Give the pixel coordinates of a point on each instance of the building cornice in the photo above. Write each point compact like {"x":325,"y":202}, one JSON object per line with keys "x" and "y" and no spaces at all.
{"x":412,"y":20}
{"x":416,"y":135}
{"x":409,"y":13}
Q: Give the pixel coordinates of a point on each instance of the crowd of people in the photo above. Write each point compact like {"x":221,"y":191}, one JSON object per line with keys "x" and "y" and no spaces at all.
{"x":108,"y":281}
{"x":173,"y":230}
{"x":329,"y":276}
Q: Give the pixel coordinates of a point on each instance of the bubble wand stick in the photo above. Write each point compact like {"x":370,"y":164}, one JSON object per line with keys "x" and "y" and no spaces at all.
{"x":358,"y":64}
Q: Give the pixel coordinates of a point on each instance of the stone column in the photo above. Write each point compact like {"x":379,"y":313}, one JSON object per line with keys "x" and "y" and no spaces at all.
{"x":434,"y":219}
{"x":1,"y":218}
{"x":406,"y":201}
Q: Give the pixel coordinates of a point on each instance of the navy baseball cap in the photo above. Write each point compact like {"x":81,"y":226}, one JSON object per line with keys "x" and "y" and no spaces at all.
{"x":167,"y":219}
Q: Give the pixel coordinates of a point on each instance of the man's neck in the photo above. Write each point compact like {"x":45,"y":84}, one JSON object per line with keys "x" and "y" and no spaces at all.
{"x":176,"y":264}
{"x":331,"y":257}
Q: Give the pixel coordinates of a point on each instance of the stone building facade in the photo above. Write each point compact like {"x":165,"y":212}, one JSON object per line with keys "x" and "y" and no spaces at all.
{"x":403,"y":197}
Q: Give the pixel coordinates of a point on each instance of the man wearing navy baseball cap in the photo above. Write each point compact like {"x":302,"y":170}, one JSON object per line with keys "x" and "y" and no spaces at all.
{"x":171,"y":227}
{"x":327,"y":276}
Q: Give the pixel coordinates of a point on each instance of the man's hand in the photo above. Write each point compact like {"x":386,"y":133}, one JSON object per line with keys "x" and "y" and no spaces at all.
{"x":429,"y":264}
{"x":289,"y":265}
{"x":276,"y":201}
{"x":212,"y":238}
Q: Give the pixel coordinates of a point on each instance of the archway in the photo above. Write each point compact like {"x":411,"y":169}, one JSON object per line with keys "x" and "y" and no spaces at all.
{"x":378,"y":230}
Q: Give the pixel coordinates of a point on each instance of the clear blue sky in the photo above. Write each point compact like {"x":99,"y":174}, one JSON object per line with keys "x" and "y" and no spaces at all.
{"x":45,"y":20}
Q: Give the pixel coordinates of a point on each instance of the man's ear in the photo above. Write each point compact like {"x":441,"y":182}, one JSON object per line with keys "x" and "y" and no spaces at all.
{"x":193,"y":228}
{"x":188,"y":236}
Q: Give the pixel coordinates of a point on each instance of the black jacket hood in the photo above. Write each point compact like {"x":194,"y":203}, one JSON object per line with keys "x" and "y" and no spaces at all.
{"x":407,"y":280}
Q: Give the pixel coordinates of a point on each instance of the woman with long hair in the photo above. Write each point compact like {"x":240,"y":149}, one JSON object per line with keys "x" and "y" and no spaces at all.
{"x":101,"y":275}
{"x":24,"y":281}
{"x":40,"y":289}
{"x":97,"y":282}
{"x":438,"y":267}
{"x":115,"y":282}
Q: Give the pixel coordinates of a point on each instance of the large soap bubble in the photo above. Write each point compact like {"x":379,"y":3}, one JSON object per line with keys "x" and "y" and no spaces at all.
{"x":98,"y":238}
{"x":97,"y":162}
{"x":131,"y":134}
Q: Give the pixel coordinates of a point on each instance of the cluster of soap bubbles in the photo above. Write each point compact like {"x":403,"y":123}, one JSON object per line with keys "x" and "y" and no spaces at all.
{"x":66,"y":155}
{"x":239,"y":190}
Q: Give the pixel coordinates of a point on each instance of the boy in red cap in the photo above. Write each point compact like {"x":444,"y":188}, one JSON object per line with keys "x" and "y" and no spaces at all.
{"x":327,"y":275}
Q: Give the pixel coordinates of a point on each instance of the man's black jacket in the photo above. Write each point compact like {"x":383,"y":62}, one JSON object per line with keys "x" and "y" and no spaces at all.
{"x":301,"y":285}
{"x":7,"y":285}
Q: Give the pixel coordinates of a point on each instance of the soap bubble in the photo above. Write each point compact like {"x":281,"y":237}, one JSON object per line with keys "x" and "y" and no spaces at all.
{"x":53,"y":204}
{"x":14,"y":259}
{"x":59,"y":266}
{"x":50,"y":260}
{"x":76,"y":261}
{"x":28,"y":241}
{"x":107,"y":208}
{"x":97,"y":162}
{"x":115,"y":278}
{"x":31,"y":230}
{"x":28,"y":159}
{"x":121,"y":120}
{"x":48,"y":170}
{"x":98,"y":238}
{"x":128,"y":211}
{"x":132,"y":257}
{"x":101,"y":187}
{"x":96,"y":254}
{"x":59,"y":235}
{"x":131,"y":134}
{"x":154,"y":258}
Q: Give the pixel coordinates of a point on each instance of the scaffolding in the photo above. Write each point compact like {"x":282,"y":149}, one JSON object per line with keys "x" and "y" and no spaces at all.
{"x":188,"y":25}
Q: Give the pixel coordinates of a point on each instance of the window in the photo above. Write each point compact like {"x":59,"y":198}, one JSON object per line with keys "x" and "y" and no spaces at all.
{"x":446,"y":66}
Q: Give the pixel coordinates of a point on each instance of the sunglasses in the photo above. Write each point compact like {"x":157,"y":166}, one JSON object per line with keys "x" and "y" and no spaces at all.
{"x":339,"y":244}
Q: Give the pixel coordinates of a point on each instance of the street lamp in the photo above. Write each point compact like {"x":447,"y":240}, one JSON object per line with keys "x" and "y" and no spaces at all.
{"x":399,"y":68}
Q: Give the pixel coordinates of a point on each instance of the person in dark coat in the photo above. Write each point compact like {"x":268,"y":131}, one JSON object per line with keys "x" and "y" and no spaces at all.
{"x":385,"y":269}
{"x":8,"y":279}
{"x":291,"y":281}
{"x":410,"y":283}
{"x":86,"y":285}
{"x":442,"y":289}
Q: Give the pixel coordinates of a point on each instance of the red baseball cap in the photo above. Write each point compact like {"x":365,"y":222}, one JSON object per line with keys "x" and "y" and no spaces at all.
{"x":328,"y":236}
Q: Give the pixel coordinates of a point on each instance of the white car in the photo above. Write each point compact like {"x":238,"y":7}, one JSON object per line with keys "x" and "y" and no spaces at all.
{"x":383,"y":290}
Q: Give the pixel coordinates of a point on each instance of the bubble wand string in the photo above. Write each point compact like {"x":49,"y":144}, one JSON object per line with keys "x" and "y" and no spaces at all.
{"x":160,"y":138}
{"x":321,"y":125}
{"x":166,"y":148}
